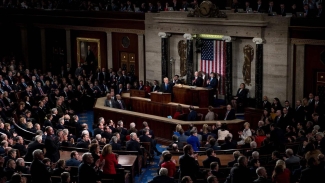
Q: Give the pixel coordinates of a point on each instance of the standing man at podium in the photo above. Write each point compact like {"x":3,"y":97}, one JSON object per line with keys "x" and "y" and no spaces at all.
{"x":213,"y":82}
{"x":166,"y":87}
{"x":197,"y":80}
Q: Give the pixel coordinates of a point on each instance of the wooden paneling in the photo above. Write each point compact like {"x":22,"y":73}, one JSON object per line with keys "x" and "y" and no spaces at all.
{"x":160,"y":109}
{"x":253,"y":116}
{"x":162,"y":126}
{"x":313,"y":65}
{"x":198,"y":96}
{"x":55,"y":41}
{"x":130,"y":51}
{"x":89,"y":34}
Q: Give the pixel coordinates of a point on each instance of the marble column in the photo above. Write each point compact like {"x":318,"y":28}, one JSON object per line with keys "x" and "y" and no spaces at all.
{"x":189,"y":58}
{"x":258,"y":72}
{"x":68,"y":45}
{"x":141,"y":63}
{"x":43,"y":48}
{"x":164,"y":54}
{"x":109,"y":50}
{"x":228,"y":41}
{"x":300,"y":72}
{"x":24,"y":45}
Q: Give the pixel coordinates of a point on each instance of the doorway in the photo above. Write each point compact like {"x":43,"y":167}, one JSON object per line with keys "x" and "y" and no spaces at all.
{"x":127,"y":62}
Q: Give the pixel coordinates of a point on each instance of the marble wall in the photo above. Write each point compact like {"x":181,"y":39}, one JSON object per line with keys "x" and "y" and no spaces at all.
{"x":243,"y":27}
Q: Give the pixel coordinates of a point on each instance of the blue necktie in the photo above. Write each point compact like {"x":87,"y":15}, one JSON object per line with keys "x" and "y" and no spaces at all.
{"x":165,"y":87}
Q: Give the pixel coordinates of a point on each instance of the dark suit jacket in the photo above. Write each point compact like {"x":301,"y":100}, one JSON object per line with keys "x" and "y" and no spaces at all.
{"x":312,"y":174}
{"x":87,"y":174}
{"x":209,"y":160}
{"x":260,"y":9}
{"x":213,"y":84}
{"x":188,"y":166}
{"x":83,"y":144}
{"x":198,"y":82}
{"x":133,"y":145}
{"x":240,"y":174}
{"x":242,"y":95}
{"x":31,"y":148}
{"x":169,"y":88}
{"x":231,"y":115}
{"x":283,"y":13}
{"x":228,"y":145}
{"x":157,"y":88}
{"x":262,"y":180}
{"x":39,"y":172}
{"x":266,"y":105}
{"x":52,"y":149}
{"x":21,"y":148}
{"x":192,"y":116}
{"x":280,"y":122}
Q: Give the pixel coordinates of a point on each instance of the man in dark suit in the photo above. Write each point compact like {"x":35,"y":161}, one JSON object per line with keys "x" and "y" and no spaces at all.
{"x":271,"y":8}
{"x":299,"y":112}
{"x":320,"y":13}
{"x":197,"y":80}
{"x":282,"y":11}
{"x":166,"y":87}
{"x":102,"y":76}
{"x":120,"y":103}
{"x":228,"y":144}
{"x":259,"y":7}
{"x":84,"y":143}
{"x":241,"y":173}
{"x":176,"y":5}
{"x":20,"y":145}
{"x":230,"y":114}
{"x":236,"y":155}
{"x":308,"y":13}
{"x":146,"y":138}
{"x":23,"y":85}
{"x":120,"y":89}
{"x":262,"y":176}
{"x":276,"y":136}
{"x":313,"y":173}
{"x":287,"y":119}
{"x":188,"y":163}
{"x":279,"y":121}
{"x":266,"y":104}
{"x":213,"y":82}
{"x":155,"y":86}
{"x":133,"y":143}
{"x":86,"y":172}
{"x":38,"y":170}
{"x":192,"y":115}
{"x":211,"y":158}
{"x":37,"y":144}
{"x":52,"y":149}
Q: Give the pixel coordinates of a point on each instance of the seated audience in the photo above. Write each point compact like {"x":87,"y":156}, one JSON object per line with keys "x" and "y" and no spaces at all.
{"x":211,"y":157}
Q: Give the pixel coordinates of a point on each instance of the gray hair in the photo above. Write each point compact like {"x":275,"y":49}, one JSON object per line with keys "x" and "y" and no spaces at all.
{"x":100,"y":119}
{"x":98,"y":136}
{"x":163,"y":171}
{"x":320,"y":134}
{"x":114,"y":139}
{"x":19,"y":161}
{"x":38,"y":138}
{"x":259,"y":170}
{"x":61,"y":120}
{"x":85,"y":132}
{"x":132,"y":125}
{"x":85,"y":156}
{"x":255,"y":154}
{"x":39,"y":132}
{"x":236,"y":153}
{"x":316,"y":127}
{"x":54,"y":110}
{"x":253,"y":144}
{"x":289,"y":152}
{"x":65,"y":131}
{"x":132,"y":135}
{"x":37,"y":153}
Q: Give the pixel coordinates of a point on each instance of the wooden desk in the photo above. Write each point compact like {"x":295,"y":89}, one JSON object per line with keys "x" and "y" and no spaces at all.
{"x":224,"y":159}
{"x":137,"y":93}
{"x":128,"y":163}
{"x":161,"y":97}
{"x":162,"y":126}
{"x":190,"y":95}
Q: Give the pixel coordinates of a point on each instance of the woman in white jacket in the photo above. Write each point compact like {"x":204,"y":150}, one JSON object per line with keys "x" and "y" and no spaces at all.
{"x":244,"y":134}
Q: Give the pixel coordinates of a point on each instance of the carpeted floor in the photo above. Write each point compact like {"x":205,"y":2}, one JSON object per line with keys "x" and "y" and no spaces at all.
{"x":147,"y":173}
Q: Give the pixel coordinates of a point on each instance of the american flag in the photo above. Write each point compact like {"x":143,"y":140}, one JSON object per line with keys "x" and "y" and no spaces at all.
{"x":213,"y":60}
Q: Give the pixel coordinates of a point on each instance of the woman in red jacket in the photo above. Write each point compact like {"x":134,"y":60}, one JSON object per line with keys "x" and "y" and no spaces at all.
{"x":259,"y":138}
{"x":281,"y":174}
{"x":110,"y":160}
{"x":169,"y":165}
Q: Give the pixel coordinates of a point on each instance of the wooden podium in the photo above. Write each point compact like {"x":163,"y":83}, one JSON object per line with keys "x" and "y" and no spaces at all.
{"x":160,"y":97}
{"x":138,"y":93}
{"x":197,"y":96}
